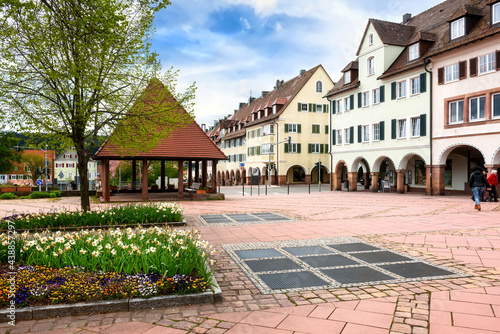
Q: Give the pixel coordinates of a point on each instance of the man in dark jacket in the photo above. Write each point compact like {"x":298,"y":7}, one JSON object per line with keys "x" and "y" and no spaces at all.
{"x":477,"y":182}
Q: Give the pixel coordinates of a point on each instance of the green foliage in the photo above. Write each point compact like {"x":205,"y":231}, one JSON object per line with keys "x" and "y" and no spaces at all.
{"x":38,"y":194}
{"x":76,"y":70}
{"x":119,"y":215}
{"x":36,"y":165}
{"x":7,"y":155}
{"x":8,"y":196}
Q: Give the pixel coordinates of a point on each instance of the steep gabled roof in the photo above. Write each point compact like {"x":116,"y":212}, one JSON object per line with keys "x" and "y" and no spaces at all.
{"x":389,"y":32}
{"x":187,"y":142}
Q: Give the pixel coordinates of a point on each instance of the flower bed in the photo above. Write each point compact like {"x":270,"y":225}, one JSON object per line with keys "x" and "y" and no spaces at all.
{"x":116,"y":215}
{"x":94,"y":265}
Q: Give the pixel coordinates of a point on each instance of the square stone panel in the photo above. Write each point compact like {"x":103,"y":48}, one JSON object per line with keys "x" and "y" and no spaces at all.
{"x":323,"y":261}
{"x":307,"y":250}
{"x":243,"y":217}
{"x":258,"y":253}
{"x":270,"y":216}
{"x":415,"y":269}
{"x":356,"y":275}
{"x":302,"y":279}
{"x":380,"y":257}
{"x":353,"y":247}
{"x":272,"y":265}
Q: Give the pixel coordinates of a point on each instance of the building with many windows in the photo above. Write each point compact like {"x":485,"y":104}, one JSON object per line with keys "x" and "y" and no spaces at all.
{"x":66,"y":170}
{"x":255,"y":137}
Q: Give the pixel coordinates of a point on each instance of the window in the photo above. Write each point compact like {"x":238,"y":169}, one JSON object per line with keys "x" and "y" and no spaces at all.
{"x":319,"y":108}
{"x":401,"y":89}
{"x":292,"y":128}
{"x":347,"y":135}
{"x":376,"y":96}
{"x":293,"y":148}
{"x":456,"y":112}
{"x":457,"y":28}
{"x":366,"y":99}
{"x":371,"y":65}
{"x":268,"y":129}
{"x":370,"y":39}
{"x":402,"y":128}
{"x":347,"y":77}
{"x":319,"y":87}
{"x":304,"y":107}
{"x":267,"y":148}
{"x":70,"y":175}
{"x":316,"y":128}
{"x":414,"y":52}
{"x":347,"y":102}
{"x":315,"y":148}
{"x":496,"y":105}
{"x":451,"y":73}
{"x":366,"y":133}
{"x":415,"y":127}
{"x":495,"y":9}
{"x":487,"y":63}
{"x":477,"y":108}
{"x":339,"y":137}
{"x":339,"y":106}
{"x":376,"y":131}
{"x":415,"y":85}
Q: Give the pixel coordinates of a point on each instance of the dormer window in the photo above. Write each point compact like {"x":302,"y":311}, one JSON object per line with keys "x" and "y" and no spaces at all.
{"x":457,"y":28}
{"x":347,"y":77}
{"x":371,"y":65}
{"x":370,"y":39}
{"x":495,"y":13}
{"x":414,"y":52}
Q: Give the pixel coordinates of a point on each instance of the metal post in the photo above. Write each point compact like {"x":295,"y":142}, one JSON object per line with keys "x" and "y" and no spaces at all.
{"x":288,"y":189}
{"x":46,"y":165}
{"x":251,"y":188}
{"x":266,"y":189}
{"x":319,"y":175}
{"x":309,"y":188}
{"x":269,"y":168}
{"x":258,"y":189}
{"x":243,"y":185}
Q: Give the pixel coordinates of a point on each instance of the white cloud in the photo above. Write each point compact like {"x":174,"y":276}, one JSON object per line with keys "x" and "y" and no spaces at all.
{"x":245,"y":24}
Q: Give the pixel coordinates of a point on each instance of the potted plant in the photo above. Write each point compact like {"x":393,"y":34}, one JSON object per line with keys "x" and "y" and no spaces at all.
{"x":170,"y":186}
{"x":201,"y":190}
{"x":8,"y":188}
{"x":154,"y":186}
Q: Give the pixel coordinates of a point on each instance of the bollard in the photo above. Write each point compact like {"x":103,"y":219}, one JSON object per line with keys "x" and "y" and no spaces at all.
{"x":251,"y":188}
{"x":258,"y":189}
{"x":288,"y":189}
{"x":309,"y":188}
{"x":243,"y":189}
{"x":266,"y":189}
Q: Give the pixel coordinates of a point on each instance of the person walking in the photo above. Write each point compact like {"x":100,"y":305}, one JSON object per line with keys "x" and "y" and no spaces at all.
{"x":493,"y":181}
{"x":477,"y":182}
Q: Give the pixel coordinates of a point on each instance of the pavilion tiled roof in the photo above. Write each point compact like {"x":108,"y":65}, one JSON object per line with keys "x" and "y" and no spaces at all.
{"x":187,"y":142}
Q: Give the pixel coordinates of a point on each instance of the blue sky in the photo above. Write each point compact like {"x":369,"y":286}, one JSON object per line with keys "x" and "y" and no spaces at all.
{"x":233,"y":47}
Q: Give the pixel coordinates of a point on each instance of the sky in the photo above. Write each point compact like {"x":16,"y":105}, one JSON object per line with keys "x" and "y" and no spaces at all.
{"x":233,"y":48}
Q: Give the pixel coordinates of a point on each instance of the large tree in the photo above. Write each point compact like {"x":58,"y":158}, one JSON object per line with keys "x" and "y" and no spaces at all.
{"x":36,"y":165}
{"x":7,"y":155}
{"x":75,"y":68}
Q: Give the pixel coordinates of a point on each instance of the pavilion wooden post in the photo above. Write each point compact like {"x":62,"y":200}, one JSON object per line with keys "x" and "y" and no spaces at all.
{"x":105,"y":180}
{"x":162,"y":181}
{"x":197,"y":171}
{"x":180,"y":180}
{"x":214,"y":175}
{"x":190,"y":175}
{"x":204,"y":173}
{"x":134,"y":174}
{"x":144,"y":179}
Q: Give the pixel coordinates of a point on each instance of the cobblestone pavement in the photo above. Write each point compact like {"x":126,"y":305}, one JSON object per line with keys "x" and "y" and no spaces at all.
{"x":444,"y":230}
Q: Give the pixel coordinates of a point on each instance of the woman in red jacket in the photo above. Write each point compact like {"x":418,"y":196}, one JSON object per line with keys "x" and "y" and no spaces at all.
{"x":493,"y":181}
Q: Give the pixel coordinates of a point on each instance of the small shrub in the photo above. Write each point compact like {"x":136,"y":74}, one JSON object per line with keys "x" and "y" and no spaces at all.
{"x":8,"y":196}
{"x":57,"y":193}
{"x":52,"y":195}
{"x":37,"y":194}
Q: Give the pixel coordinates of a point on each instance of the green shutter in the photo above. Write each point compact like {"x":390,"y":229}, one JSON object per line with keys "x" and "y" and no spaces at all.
{"x":299,"y":107}
{"x":359,"y":134}
{"x":286,"y":147}
{"x":286,"y":128}
{"x":393,"y":129}
{"x":258,"y":150}
{"x":334,"y":138}
{"x":309,"y":148}
{"x":299,"y":128}
{"x":423,"y":125}
{"x":321,"y":148}
{"x":334,"y":106}
{"x":298,"y":148}
{"x":326,"y":129}
{"x":382,"y":130}
{"x":249,"y":151}
{"x":352,"y":135}
{"x":423,"y":82}
{"x":325,"y":108}
{"x":382,"y":93}
{"x":310,"y":107}
{"x":352,"y":101}
{"x":359,"y":100}
{"x":393,"y":91}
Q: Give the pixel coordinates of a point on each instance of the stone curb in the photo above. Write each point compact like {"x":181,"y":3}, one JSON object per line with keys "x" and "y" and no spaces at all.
{"x":52,"y":311}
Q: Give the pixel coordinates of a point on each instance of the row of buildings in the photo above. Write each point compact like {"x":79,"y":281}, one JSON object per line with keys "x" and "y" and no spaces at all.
{"x":62,"y":170}
{"x":417,"y":109}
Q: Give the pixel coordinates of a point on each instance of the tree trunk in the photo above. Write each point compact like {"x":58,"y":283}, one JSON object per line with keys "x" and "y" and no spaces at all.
{"x":83,"y":159}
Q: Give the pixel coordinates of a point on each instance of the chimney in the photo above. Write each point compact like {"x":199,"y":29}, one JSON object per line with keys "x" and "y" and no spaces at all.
{"x":302,"y":72}
{"x":250,"y":99}
{"x":204,"y":127}
{"x":241,"y":105}
{"x":278,"y":84}
{"x":406,"y":18}
{"x":264,"y":93}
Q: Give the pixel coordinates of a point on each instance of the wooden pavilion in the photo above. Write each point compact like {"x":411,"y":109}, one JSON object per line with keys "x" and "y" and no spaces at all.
{"x":187,"y":143}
